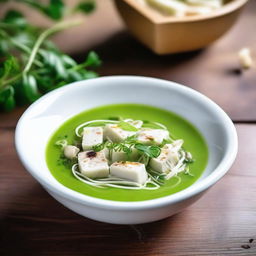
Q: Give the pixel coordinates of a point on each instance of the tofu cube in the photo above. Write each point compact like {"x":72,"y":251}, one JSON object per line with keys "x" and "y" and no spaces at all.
{"x":152,"y":136}
{"x":106,"y":152}
{"x":114,"y":133}
{"x":122,"y":156}
{"x":93,"y":164}
{"x":132,"y":171}
{"x":168,"y":153}
{"x":91,"y":137}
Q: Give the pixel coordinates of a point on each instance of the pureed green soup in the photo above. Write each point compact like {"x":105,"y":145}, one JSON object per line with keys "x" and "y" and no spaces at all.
{"x":177,"y":126}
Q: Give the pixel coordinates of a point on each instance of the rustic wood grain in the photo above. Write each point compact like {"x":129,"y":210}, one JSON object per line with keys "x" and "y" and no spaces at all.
{"x":33,"y":223}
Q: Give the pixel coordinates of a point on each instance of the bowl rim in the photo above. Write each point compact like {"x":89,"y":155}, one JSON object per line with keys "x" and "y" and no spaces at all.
{"x":200,"y":186}
{"x":226,"y":9}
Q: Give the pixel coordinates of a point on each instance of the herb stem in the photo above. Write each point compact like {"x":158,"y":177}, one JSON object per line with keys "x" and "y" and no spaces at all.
{"x":11,"y":80}
{"x":14,"y":42}
{"x":58,"y":27}
{"x":79,"y":66}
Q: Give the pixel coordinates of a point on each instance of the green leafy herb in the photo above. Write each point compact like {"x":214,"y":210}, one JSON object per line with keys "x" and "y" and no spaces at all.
{"x":189,"y":161}
{"x":86,"y":6}
{"x":150,"y":151}
{"x":114,"y":118}
{"x":127,"y":127}
{"x":187,"y":172}
{"x":99,"y":147}
{"x":7,"y":101}
{"x":30,"y":64}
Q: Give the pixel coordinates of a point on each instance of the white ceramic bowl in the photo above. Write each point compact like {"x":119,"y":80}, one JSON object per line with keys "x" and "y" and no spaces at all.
{"x":41,"y":119}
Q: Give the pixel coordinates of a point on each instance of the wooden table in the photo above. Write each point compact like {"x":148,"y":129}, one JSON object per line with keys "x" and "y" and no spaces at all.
{"x":222,"y":222}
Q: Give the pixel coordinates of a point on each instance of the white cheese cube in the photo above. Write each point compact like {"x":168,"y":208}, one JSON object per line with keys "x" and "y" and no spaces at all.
{"x":91,"y":137}
{"x":114,"y":133}
{"x":132,"y":171}
{"x":152,"y":136}
{"x":168,"y":154}
{"x":122,"y":156}
{"x":93,"y":164}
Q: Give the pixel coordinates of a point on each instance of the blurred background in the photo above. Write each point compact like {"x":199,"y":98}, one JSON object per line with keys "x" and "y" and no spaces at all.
{"x":212,"y":71}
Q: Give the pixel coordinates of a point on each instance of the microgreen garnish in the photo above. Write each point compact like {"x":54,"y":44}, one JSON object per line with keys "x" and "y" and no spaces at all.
{"x":187,"y":172}
{"x":61,"y":143}
{"x":114,"y":118}
{"x":189,"y":161}
{"x":127,"y":127}
{"x":150,"y":151}
{"x":98,"y":147}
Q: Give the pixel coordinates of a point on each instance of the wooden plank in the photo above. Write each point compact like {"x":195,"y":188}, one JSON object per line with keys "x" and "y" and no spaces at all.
{"x":9,"y":120}
{"x":33,"y":223}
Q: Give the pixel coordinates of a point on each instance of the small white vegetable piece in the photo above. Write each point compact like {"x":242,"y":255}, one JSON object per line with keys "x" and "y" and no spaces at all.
{"x":70,"y":151}
{"x":122,"y":156}
{"x":152,"y":136}
{"x":245,"y":58}
{"x":93,"y":164}
{"x":114,"y":133}
{"x":91,"y":137}
{"x":168,"y":158}
{"x":133,"y":171}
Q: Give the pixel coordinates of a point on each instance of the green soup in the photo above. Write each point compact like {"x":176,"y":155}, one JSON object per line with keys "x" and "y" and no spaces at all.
{"x":178,"y":127}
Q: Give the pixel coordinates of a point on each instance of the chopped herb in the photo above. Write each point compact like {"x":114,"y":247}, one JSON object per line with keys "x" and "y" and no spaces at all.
{"x":127,"y":127}
{"x":131,"y":139}
{"x":61,"y":143}
{"x":165,"y":141}
{"x":114,"y":118}
{"x":98,"y":147}
{"x":150,"y":151}
{"x":187,"y":172}
{"x":189,"y":161}
{"x":65,"y":161}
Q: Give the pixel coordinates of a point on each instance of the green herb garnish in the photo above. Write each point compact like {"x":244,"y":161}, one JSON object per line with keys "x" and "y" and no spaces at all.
{"x":150,"y":151}
{"x":127,"y":127}
{"x":114,"y":118}
{"x":189,"y":161}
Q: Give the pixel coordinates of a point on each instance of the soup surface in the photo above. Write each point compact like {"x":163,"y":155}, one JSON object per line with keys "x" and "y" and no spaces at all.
{"x":178,"y":127}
